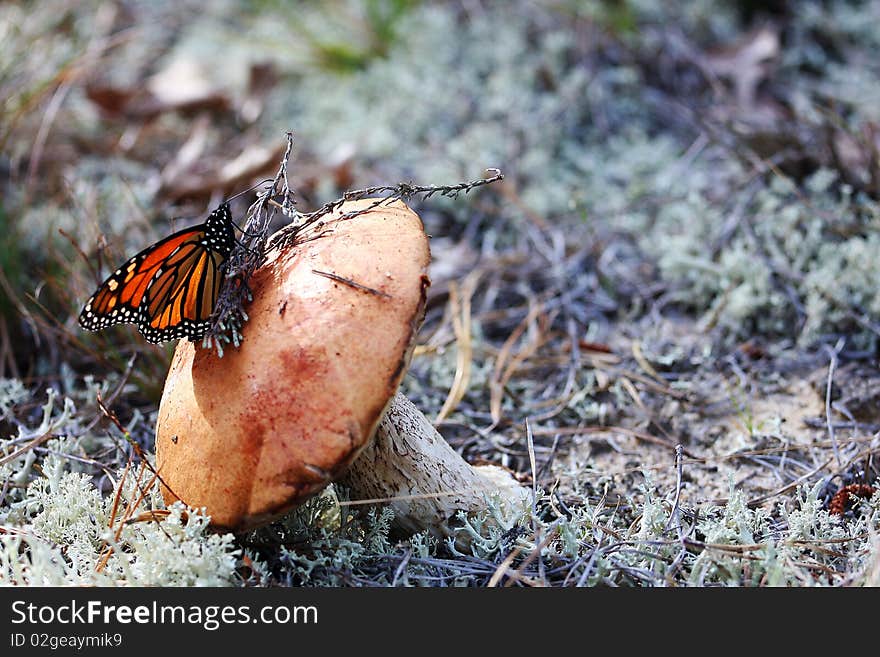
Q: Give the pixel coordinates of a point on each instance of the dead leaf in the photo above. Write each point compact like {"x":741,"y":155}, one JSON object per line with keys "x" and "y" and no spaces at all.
{"x":184,"y":84}
{"x":111,"y":100}
{"x":181,"y":86}
{"x":223,"y":175}
{"x":857,"y":155}
{"x":262,"y":79}
{"x":189,"y":154}
{"x":745,"y":64}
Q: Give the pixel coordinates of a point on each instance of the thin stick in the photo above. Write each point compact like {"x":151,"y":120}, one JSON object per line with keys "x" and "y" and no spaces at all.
{"x":131,"y":441}
{"x":460,"y":309}
{"x":39,"y":440}
{"x":503,"y":567}
{"x":351,"y":283}
{"x":675,"y":516}
{"x":288,"y":236}
{"x":410,"y":189}
{"x":535,"y":554}
{"x":530,"y":442}
{"x":832,"y":353}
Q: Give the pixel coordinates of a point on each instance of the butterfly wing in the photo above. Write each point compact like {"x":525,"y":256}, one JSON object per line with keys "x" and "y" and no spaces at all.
{"x":121,"y":298}
{"x":181,"y":298}
{"x":169,"y":289}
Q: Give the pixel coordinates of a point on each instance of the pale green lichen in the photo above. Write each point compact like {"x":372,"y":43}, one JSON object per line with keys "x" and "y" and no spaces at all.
{"x":59,"y":531}
{"x":56,"y":522}
{"x":65,"y":537}
{"x":331,"y":558}
{"x":12,"y":392}
{"x":802,"y":268}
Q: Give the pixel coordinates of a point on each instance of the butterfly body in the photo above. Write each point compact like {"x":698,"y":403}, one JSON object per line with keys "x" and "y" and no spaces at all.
{"x":169,"y":289}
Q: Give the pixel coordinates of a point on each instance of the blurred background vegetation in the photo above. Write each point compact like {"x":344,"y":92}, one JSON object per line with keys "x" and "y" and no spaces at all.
{"x":684,"y":250}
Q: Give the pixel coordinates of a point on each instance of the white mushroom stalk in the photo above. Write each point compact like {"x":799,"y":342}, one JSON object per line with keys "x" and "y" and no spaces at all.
{"x":409,"y":466}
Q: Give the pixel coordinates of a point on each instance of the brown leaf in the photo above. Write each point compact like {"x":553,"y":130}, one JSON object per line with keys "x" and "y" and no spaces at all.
{"x":263,"y":78}
{"x":189,"y":154}
{"x":111,"y":100}
{"x":250,"y":163}
{"x":181,"y":86}
{"x":856,"y":155}
{"x":746,"y":63}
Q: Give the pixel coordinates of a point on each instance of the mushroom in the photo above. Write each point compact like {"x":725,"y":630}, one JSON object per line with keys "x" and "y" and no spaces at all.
{"x":311,"y":397}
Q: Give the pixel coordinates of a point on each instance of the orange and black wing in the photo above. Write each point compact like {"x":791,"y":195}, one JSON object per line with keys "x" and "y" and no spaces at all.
{"x":122,"y":297}
{"x":168,"y":290}
{"x":181,"y":298}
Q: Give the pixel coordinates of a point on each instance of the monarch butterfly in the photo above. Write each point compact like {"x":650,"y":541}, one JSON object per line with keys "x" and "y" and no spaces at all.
{"x":169,"y":289}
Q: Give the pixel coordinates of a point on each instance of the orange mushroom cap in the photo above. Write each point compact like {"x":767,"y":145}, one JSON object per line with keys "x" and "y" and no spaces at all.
{"x":255,"y":433}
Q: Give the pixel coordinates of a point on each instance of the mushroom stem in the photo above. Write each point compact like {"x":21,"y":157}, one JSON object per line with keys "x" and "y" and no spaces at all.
{"x":410,"y":466}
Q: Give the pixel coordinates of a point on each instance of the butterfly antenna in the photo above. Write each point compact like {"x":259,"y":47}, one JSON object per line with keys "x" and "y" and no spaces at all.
{"x":249,"y":189}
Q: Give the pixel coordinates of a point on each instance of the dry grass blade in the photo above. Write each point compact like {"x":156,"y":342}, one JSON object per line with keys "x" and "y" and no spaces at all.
{"x":518,"y":575}
{"x":503,"y":369}
{"x":36,"y":442}
{"x":460,"y":309}
{"x":134,"y":445}
{"x":156,"y":515}
{"x":644,"y":364}
{"x":503,"y":567}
